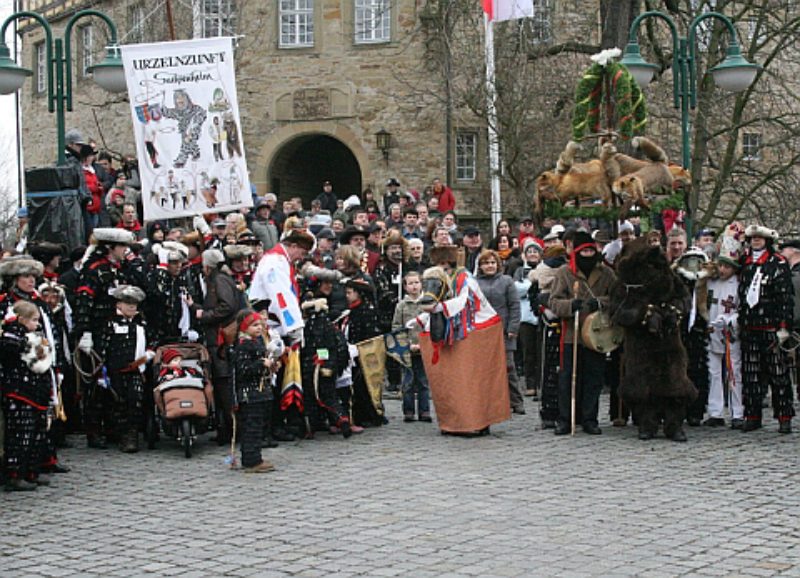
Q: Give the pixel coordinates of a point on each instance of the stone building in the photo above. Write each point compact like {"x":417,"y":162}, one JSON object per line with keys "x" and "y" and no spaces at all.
{"x":317,"y":79}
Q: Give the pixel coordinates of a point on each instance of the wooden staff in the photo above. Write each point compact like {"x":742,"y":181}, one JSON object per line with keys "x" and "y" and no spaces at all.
{"x":575,"y":329}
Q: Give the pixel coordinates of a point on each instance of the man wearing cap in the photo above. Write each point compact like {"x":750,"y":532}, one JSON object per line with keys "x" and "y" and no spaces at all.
{"x":766,"y":302}
{"x":263,"y":227}
{"x":126,"y":349}
{"x":101,"y":272}
{"x":358,"y":238}
{"x":580,"y":289}
{"x":238,"y":259}
{"x":76,"y":148}
{"x":323,"y":254}
{"x":327,"y":198}
{"x":724,"y":347}
{"x":392,"y":195}
{"x":474,"y":245}
{"x":388,"y":283}
{"x":704,"y":240}
{"x":217,"y":240}
{"x":527,"y":230}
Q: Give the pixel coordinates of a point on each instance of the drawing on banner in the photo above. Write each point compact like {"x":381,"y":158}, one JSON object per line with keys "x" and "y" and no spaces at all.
{"x":185,"y":110}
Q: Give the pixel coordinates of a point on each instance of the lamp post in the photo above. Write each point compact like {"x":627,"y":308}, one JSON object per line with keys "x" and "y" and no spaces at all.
{"x":734,"y":74}
{"x":109,"y":73}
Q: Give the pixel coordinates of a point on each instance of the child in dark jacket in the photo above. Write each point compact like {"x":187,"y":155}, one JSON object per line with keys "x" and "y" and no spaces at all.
{"x":253,"y":361}
{"x":26,"y":359}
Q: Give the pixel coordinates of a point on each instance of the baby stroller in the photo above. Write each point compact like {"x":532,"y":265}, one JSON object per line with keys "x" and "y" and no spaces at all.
{"x":182,"y":405}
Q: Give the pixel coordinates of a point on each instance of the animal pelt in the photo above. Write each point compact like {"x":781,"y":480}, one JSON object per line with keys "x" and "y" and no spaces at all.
{"x":38,"y":354}
{"x":575,"y":181}
{"x":653,"y":178}
{"x":648,"y":300}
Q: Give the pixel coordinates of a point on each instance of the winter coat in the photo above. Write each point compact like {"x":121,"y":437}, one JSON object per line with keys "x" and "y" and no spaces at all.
{"x":597,"y":286}
{"x":523,"y":284}
{"x":501,"y":294}
{"x":407,"y":310}
{"x":266,"y":232}
{"x":250,"y":377}
{"x":19,"y":381}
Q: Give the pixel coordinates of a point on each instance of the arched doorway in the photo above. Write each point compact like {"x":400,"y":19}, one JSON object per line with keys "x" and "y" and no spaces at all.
{"x":301,"y":165}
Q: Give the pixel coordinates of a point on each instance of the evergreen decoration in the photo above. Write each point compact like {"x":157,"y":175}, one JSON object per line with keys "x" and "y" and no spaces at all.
{"x":627,"y":97}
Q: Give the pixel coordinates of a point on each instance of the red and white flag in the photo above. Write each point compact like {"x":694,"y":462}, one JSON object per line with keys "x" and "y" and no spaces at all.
{"x":499,"y":10}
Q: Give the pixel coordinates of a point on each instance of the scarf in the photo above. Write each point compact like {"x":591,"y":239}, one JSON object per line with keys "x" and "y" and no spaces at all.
{"x":504,"y":254}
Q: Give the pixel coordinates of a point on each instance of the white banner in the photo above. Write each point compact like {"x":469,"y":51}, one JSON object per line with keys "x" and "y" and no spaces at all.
{"x":186,"y":122}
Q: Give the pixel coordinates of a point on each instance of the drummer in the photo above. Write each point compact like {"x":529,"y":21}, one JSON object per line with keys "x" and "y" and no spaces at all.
{"x":578,"y":290}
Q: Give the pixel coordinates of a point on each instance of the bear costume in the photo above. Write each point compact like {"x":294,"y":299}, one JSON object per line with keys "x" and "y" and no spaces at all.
{"x":648,"y":301}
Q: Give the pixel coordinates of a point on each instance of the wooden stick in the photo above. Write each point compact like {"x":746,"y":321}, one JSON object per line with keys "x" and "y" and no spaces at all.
{"x":575,"y":329}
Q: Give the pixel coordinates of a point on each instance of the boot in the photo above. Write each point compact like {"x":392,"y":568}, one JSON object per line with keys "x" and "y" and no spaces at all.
{"x":751,"y":425}
{"x":785,"y":426}
{"x":344,"y":426}
{"x":679,"y":435}
{"x":19,"y":485}
{"x":261,"y":468}
{"x":96,"y":441}
{"x":129,"y":443}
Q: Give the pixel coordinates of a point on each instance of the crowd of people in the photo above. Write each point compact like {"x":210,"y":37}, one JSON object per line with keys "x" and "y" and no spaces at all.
{"x":288,"y":302}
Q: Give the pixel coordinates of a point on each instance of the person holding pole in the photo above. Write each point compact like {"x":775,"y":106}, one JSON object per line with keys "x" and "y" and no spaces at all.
{"x":579,"y":289}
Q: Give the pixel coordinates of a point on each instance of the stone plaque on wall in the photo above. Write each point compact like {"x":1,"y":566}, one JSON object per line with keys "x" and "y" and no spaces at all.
{"x":311,"y":103}
{"x":315,"y":103}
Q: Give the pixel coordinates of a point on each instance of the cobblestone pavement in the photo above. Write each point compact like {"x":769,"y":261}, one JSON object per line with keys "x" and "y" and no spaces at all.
{"x":406,"y":501}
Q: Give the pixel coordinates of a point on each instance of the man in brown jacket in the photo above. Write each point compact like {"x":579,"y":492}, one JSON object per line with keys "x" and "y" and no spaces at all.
{"x":579,"y":289}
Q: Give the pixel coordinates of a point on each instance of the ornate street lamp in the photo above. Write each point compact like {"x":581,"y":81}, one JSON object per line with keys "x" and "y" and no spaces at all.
{"x":383,"y":140}
{"x":109,"y":73}
{"x":734,"y":74}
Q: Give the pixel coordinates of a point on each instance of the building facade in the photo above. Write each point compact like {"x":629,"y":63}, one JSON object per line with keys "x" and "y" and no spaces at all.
{"x":317,"y":80}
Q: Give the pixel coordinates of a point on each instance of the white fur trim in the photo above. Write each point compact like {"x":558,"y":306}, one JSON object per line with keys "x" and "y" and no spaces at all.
{"x":20,"y":265}
{"x":34,"y":342}
{"x":605,"y":56}
{"x":114,"y":235}
{"x":761,"y":231}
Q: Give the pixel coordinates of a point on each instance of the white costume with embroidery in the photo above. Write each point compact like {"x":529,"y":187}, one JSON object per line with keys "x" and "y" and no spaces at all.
{"x":275,"y":280}
{"x":724,"y":349}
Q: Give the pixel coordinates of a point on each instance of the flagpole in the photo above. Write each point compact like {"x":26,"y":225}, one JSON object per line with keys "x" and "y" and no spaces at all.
{"x":491,"y":116}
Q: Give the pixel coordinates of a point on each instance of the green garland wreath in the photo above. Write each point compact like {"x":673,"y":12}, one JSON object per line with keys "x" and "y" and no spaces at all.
{"x":629,"y":101}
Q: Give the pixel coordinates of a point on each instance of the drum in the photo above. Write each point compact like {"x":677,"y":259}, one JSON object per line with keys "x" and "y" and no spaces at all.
{"x":599,"y":334}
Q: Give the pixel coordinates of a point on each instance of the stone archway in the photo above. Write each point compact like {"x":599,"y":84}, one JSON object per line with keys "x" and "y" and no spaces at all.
{"x":300,"y":166}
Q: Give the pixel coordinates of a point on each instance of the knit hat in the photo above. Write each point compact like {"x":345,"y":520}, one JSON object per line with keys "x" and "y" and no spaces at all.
{"x":169,"y":355}
{"x":531,"y":242}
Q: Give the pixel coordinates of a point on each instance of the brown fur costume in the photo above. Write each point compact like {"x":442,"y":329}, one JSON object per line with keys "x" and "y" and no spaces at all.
{"x":648,"y":301}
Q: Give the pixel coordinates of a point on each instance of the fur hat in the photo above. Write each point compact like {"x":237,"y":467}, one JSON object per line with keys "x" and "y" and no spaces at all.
{"x":582,"y":238}
{"x":444,"y":254}
{"x":114,"y":236}
{"x":300,"y":236}
{"x":128,"y":294}
{"x":212,"y":258}
{"x":44,"y":251}
{"x":395,"y":237}
{"x":233,"y":252}
{"x":193,"y":239}
{"x":554,"y":251}
{"x":364,"y":287}
{"x":17,"y":265}
{"x":175,"y":251}
{"x":761,"y":231}
{"x":686,"y":266}
{"x":169,"y":355}
{"x":247,"y":237}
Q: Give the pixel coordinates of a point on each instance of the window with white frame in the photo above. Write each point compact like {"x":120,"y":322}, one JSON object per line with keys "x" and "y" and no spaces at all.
{"x":214,"y":18}
{"x":136,"y":23}
{"x":751,"y":146}
{"x":41,"y":68}
{"x":540,"y":26}
{"x":373,"y":22}
{"x":466,"y":156}
{"x":87,"y":47}
{"x":296,"y":21}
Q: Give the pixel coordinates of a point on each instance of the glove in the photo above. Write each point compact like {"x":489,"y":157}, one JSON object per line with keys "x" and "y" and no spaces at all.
{"x":200,"y":225}
{"x":353,"y":350}
{"x":192,"y":336}
{"x":783,"y":335}
{"x":275,"y":348}
{"x":577,"y":305}
{"x":149,"y":354}
{"x":85,"y":344}
{"x":543,"y":299}
{"x":591,"y":306}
